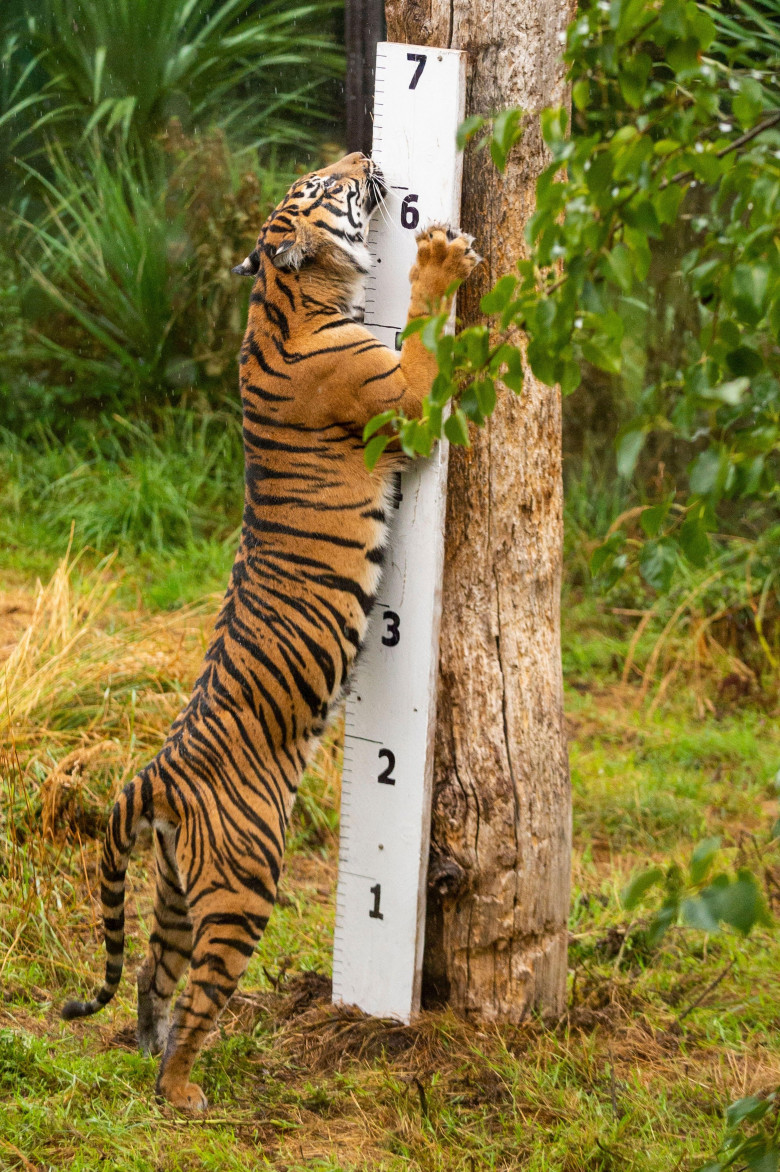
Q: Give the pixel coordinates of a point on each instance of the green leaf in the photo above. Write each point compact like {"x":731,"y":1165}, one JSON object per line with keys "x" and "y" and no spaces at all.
{"x":414,"y":327}
{"x":628,"y":448}
{"x":639,"y":886}
{"x":744,"y":361}
{"x":697,"y":913}
{"x":553,"y":122}
{"x":580,"y":94}
{"x":667,"y":203}
{"x":703,"y":857}
{"x":705,"y":471}
{"x":486,"y":395}
{"x":605,"y":553}
{"x":570,"y":378}
{"x":431,"y":332}
{"x":435,"y":414}
{"x":751,"y":1108}
{"x":441,"y":390}
{"x":374,"y":449}
{"x":469,"y":405}
{"x":739,"y":904}
{"x":683,"y":55}
{"x":641,"y":214}
{"x":633,"y":79}
{"x":499,"y":296}
{"x":620,"y":264}
{"x":468,"y":129}
{"x":701,"y":25}
{"x":750,"y":285}
{"x":657,"y":562}
{"x":377,"y":422}
{"x":506,"y":132}
{"x":510,"y":357}
{"x":653,"y":517}
{"x":694,"y":541}
{"x":456,"y":429}
{"x":761,"y":1155}
{"x":749,"y":102}
{"x":662,"y":921}
{"x":477,"y":340}
{"x":603,"y":351}
{"x":542,"y":360}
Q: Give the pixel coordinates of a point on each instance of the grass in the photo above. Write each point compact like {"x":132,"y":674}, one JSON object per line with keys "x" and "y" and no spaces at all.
{"x":96,"y":662}
{"x":169,"y":498}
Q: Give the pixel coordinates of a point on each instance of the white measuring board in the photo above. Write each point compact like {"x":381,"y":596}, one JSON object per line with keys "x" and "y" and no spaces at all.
{"x":391,"y":706}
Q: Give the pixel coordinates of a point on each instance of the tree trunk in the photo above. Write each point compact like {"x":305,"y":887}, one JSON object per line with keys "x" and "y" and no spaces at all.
{"x":363,"y":27}
{"x":499,"y":877}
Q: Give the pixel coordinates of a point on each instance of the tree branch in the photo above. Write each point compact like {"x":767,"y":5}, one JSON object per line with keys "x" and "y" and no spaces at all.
{"x":743,"y":139}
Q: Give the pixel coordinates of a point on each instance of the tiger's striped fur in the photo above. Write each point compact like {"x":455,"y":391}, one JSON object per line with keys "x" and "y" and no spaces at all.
{"x":219,"y":793}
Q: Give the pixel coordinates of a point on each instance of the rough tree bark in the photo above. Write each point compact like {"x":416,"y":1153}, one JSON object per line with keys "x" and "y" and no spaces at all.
{"x":363,"y":27}
{"x":499,"y":876}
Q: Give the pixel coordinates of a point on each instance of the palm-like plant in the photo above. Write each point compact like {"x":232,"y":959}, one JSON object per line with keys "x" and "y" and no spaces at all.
{"x":749,"y":38}
{"x":260,"y":69}
{"x":105,"y":261}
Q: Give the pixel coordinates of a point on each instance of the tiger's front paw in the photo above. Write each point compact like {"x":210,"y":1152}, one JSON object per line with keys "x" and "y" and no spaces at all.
{"x":444,"y":255}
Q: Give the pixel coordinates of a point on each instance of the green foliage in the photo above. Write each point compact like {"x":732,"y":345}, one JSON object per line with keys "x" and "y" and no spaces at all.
{"x":130,"y":266}
{"x":752,"y":1139}
{"x":104,"y":246}
{"x":675,"y":142}
{"x":132,"y":65}
{"x":120,"y":483}
{"x":697,"y":898}
{"x":130,"y":141}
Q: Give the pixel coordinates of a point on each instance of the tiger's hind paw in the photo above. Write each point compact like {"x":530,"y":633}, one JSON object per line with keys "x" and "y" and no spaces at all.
{"x":187,"y":1097}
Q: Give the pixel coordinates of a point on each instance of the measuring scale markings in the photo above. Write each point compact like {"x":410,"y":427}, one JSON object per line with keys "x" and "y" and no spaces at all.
{"x":390,"y":708}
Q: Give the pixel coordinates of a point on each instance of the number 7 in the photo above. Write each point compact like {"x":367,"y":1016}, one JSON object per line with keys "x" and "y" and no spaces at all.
{"x":420,"y":58}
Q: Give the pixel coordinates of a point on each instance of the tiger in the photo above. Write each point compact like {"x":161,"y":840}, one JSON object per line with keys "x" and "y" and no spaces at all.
{"x":219,"y":793}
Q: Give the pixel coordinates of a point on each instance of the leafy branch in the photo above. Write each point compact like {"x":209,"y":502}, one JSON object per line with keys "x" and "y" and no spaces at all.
{"x":671,"y":144}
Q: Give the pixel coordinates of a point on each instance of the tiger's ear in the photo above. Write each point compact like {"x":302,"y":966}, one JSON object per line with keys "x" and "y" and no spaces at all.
{"x":248,"y":267}
{"x":294,"y":249}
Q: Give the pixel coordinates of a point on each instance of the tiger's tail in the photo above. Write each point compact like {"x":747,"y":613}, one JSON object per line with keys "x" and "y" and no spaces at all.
{"x":134,"y":803}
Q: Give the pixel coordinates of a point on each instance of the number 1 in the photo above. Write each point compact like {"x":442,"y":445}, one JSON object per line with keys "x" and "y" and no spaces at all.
{"x":375,"y":913}
{"x":420,"y":58}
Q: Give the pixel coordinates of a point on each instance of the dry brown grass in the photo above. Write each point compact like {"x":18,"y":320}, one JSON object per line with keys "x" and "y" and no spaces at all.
{"x":88,"y":689}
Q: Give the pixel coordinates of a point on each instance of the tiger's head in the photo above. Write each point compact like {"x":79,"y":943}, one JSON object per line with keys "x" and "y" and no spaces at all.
{"x":322,"y":223}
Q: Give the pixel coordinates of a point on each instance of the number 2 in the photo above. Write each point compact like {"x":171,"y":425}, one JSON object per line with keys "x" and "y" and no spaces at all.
{"x":386,"y":776}
{"x":420,"y":58}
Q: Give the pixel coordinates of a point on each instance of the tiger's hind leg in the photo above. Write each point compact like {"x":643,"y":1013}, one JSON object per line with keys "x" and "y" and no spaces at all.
{"x":170,"y":947}
{"x":226,"y":932}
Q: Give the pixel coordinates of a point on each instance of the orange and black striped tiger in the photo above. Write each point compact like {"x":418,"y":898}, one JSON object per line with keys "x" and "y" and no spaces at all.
{"x":219,"y":793}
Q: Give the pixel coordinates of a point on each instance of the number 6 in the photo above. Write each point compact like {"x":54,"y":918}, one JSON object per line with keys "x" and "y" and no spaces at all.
{"x":410,"y":215}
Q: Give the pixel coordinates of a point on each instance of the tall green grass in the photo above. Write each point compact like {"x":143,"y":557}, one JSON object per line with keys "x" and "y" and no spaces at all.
{"x":106,"y":260}
{"x":124,"y":484}
{"x":122,"y":289}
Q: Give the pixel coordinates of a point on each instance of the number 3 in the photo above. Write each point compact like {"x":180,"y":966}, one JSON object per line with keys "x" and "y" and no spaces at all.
{"x":392,"y":635}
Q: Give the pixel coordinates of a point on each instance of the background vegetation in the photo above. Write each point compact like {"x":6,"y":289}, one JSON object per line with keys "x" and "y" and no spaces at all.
{"x":131,"y":182}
